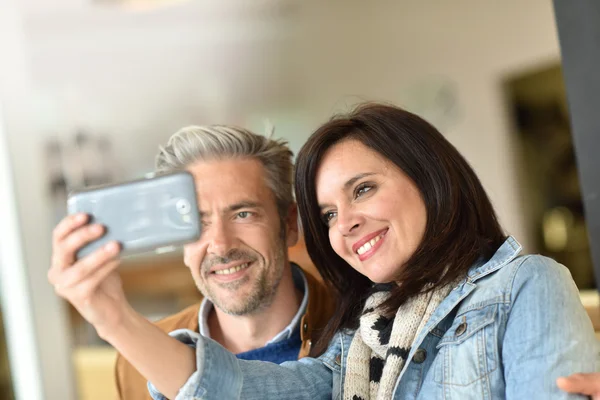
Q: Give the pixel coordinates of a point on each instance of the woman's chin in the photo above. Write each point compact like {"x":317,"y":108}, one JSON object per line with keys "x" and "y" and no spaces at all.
{"x":380,"y":275}
{"x":380,"y":278}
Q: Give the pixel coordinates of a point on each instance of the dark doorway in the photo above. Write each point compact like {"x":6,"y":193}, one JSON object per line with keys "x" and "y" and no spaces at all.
{"x":550,"y":181}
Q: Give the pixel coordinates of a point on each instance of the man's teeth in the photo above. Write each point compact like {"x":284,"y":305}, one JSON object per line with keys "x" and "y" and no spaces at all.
{"x":367,"y":246}
{"x":232,"y":270}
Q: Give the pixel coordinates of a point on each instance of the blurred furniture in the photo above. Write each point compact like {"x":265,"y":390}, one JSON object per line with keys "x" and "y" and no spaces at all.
{"x":94,"y":372}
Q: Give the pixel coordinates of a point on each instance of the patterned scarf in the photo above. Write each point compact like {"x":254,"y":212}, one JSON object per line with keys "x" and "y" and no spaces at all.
{"x":381,"y":345}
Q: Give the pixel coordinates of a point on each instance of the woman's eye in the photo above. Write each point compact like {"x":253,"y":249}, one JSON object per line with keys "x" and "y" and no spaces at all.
{"x":328,"y":216}
{"x":361,"y":190}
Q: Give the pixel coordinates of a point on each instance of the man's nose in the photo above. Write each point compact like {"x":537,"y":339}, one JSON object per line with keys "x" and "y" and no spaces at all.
{"x":220,"y":239}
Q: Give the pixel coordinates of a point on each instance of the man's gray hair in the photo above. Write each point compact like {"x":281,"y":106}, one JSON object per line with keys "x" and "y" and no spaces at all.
{"x":218,"y":142}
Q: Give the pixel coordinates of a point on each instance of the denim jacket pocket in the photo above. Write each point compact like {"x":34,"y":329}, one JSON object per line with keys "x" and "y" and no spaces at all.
{"x":468,"y":350}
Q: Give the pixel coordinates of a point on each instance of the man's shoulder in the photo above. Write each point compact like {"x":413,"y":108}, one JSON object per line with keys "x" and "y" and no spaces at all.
{"x":185,"y":319}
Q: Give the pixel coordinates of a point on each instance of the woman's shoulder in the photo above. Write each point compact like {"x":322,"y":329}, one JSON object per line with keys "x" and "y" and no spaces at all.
{"x":541,"y":277}
{"x":525,"y":284}
{"x":535,"y":266}
{"x":530,"y":272}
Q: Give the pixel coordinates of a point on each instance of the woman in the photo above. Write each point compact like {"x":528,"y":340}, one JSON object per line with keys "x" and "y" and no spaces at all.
{"x":434,"y":300}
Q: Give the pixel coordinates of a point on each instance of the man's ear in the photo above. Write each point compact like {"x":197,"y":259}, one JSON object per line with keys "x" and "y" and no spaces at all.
{"x":291,"y":222}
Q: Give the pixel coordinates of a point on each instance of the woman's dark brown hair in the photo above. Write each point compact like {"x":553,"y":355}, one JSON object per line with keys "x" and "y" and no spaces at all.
{"x":461,"y":228}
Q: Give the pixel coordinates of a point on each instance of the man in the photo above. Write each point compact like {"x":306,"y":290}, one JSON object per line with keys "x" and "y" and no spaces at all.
{"x":588,"y":384}
{"x":257,"y":304}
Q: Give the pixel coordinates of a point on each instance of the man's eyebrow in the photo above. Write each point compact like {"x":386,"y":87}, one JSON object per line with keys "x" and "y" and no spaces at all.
{"x":349,"y":183}
{"x":243,"y":204}
{"x":235,"y":207}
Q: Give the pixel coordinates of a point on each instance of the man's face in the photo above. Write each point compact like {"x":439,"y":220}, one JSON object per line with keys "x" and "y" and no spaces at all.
{"x":240,"y":257}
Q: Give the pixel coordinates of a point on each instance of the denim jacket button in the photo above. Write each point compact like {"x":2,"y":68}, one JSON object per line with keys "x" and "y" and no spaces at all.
{"x":462,"y":328}
{"x":420,"y":356}
{"x":338,"y":360}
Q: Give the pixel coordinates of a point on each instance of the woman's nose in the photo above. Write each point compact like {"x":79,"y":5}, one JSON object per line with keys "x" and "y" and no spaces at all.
{"x":348,"y":221}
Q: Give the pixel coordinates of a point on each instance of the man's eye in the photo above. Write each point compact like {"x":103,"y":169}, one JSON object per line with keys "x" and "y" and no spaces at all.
{"x":244,"y":214}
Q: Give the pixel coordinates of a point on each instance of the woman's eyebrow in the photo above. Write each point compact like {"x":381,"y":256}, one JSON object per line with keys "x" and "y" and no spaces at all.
{"x":349,"y":183}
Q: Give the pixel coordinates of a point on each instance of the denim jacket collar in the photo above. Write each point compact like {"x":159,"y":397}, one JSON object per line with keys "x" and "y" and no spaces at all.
{"x":507,"y":252}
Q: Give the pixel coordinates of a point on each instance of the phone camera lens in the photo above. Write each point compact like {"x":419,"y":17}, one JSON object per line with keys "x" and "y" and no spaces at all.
{"x":183,"y":206}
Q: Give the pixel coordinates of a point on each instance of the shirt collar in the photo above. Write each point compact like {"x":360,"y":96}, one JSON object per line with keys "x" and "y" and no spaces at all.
{"x":301,"y":284}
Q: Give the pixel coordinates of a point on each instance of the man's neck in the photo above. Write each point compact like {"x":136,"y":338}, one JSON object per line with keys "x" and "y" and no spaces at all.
{"x":239,"y":334}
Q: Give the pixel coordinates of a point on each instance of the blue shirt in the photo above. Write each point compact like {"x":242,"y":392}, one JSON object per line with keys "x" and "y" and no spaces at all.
{"x":277,"y":352}
{"x":525,"y":327}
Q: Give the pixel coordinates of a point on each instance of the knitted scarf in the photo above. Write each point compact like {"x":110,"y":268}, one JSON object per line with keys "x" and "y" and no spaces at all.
{"x":381,"y":345}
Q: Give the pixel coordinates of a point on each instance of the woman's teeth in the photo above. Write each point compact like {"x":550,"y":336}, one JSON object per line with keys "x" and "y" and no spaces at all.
{"x":367,"y":246}
{"x":232,"y":270}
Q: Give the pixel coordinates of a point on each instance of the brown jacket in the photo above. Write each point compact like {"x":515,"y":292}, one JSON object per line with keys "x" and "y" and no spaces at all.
{"x":131,"y":385}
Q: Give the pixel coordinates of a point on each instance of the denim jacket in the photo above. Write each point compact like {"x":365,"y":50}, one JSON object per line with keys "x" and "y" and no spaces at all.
{"x":508,"y":330}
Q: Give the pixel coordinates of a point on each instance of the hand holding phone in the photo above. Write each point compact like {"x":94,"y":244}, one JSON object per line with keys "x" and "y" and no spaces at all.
{"x":141,"y":215}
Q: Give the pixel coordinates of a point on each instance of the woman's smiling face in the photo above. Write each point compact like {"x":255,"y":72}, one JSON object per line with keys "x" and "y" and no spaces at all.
{"x":373,"y":210}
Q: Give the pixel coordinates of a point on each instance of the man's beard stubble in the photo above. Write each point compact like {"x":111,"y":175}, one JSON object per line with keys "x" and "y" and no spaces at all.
{"x":263,"y":290}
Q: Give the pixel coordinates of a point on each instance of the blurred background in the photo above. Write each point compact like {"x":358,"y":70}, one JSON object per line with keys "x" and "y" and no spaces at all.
{"x":90,"y":88}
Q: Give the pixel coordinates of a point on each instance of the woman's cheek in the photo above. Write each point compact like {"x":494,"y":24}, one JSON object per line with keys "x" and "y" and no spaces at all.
{"x":333,"y":241}
{"x":338,"y":245}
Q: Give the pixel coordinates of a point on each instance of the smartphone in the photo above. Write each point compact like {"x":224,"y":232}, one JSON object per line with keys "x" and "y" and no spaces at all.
{"x":154,"y":213}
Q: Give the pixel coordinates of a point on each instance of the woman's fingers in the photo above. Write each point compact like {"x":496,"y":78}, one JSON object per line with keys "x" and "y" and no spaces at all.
{"x":83,"y":293}
{"x":65,"y":249}
{"x":85,"y":269}
{"x":68,"y":225}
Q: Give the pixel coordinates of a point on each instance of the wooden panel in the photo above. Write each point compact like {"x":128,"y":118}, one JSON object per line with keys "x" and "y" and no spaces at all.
{"x":299,"y":255}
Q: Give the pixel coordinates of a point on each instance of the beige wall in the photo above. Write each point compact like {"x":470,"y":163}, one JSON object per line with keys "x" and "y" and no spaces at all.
{"x":384,"y":52}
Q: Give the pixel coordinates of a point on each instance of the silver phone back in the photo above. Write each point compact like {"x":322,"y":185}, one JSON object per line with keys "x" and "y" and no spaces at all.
{"x":142,"y":215}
